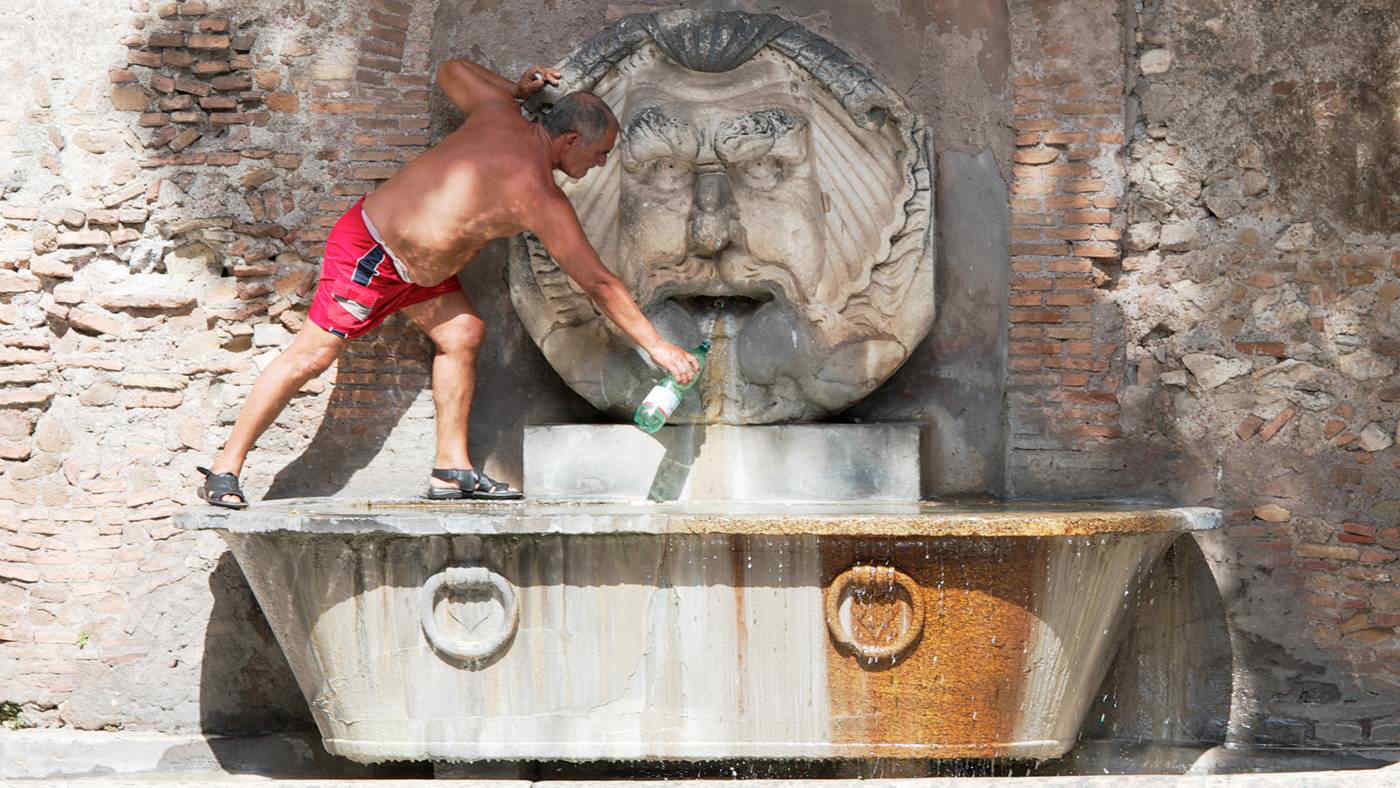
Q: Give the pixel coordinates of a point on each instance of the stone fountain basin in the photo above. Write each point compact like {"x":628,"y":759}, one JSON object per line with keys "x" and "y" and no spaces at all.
{"x":583,"y":631}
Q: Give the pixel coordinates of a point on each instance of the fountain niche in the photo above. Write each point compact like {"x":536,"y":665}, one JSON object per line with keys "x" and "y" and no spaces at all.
{"x":747,"y":582}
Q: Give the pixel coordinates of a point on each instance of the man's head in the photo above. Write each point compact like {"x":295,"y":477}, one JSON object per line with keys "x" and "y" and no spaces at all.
{"x":583,"y":130}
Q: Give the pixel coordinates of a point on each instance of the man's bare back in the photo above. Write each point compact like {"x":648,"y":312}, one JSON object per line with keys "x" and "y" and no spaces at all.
{"x":482,"y":182}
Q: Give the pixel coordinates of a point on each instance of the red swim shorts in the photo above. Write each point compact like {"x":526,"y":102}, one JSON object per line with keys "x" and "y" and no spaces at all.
{"x":359,"y":284}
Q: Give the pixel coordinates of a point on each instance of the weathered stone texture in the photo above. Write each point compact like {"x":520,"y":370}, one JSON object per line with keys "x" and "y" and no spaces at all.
{"x":1262,"y":224}
{"x":1203,"y":305}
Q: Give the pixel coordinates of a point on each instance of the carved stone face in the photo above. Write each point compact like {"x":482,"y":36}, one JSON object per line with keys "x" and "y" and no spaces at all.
{"x":749,"y":208}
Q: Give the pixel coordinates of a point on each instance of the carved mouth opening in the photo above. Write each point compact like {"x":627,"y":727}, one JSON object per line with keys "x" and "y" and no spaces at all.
{"x":738,"y":305}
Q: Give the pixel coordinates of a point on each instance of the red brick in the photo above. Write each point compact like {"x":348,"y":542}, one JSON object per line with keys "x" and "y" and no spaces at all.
{"x":121,"y":76}
{"x":1088,"y":217}
{"x":1085,"y":185}
{"x":218,"y":102}
{"x":1032,"y":283}
{"x":1089,"y":109}
{"x":1070,"y":282}
{"x":166,"y":39}
{"x":177,"y":58}
{"x":1018,"y":316}
{"x":233,"y":82}
{"x":148,"y":59}
{"x":1070,"y":170}
{"x":1035,"y":348}
{"x":1066,"y":138}
{"x":193,"y":86}
{"x":381,"y":47}
{"x":1100,"y":250}
{"x":1249,"y":427}
{"x":1071,"y":233}
{"x":1071,"y":266}
{"x":1038,"y":250}
{"x":1041,"y":186}
{"x":1069,"y":332}
{"x":1027,"y":299}
{"x":212,"y":24}
{"x":282,"y":102}
{"x":154,"y":119}
{"x":205,"y":67}
{"x":176,"y":101}
{"x":1026,"y":140}
{"x":342,"y":108}
{"x":1069,"y":299}
{"x":1042,"y":156}
{"x":373,"y":172}
{"x":1271,"y":429}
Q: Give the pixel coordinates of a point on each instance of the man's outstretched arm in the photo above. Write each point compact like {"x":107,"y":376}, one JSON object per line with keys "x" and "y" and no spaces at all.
{"x":558,"y":229}
{"x":469,"y":85}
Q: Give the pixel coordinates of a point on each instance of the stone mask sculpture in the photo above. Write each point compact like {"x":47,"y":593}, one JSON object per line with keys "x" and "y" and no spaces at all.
{"x":766,"y":193}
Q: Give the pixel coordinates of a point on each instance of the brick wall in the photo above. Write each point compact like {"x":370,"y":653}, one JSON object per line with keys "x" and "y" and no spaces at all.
{"x":1064,"y":351}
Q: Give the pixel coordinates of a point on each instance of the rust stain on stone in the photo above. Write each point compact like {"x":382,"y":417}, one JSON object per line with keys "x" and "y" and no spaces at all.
{"x":960,"y":685}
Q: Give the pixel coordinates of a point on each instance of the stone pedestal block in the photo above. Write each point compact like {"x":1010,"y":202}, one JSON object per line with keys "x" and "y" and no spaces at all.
{"x":790,"y":462}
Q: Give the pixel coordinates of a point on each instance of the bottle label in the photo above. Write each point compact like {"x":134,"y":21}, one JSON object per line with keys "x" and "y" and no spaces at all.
{"x":663,"y":399}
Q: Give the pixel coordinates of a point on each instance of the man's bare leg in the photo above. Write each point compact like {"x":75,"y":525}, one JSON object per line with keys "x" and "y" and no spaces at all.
{"x":457,"y":330}
{"x":312,"y":351}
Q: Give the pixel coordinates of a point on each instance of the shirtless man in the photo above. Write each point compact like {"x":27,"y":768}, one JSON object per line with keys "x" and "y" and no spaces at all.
{"x":400,"y":249}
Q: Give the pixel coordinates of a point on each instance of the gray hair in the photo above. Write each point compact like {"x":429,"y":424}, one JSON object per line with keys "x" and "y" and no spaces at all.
{"x":580,"y":112}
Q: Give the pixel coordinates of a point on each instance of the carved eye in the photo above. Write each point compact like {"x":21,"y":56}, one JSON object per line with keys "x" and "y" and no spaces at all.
{"x":668,"y":172}
{"x":762,"y":173}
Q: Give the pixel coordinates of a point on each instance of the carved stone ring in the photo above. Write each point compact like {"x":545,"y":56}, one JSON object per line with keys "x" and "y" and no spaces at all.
{"x":865,"y":580}
{"x":467,"y":578}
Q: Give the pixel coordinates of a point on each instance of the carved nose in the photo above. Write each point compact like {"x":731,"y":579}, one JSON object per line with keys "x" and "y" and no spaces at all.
{"x":711,"y":214}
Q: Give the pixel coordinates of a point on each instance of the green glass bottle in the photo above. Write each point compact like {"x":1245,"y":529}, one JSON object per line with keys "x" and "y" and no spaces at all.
{"x":663,"y":398}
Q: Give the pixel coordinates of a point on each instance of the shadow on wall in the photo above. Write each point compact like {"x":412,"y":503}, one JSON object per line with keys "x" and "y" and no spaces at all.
{"x":1172,"y":680}
{"x":363,"y":448}
{"x":245,"y":683}
{"x":249,"y":702}
{"x":378,"y":378}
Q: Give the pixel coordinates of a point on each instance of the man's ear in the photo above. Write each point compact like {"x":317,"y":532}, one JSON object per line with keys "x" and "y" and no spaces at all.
{"x":570,"y":138}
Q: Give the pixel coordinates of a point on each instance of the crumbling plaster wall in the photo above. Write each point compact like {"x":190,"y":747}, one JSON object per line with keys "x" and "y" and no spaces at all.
{"x":1261,"y":334}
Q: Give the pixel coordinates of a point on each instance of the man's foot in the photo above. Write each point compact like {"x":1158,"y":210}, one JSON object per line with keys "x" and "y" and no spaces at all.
{"x":468,"y":483}
{"x":221,"y":489}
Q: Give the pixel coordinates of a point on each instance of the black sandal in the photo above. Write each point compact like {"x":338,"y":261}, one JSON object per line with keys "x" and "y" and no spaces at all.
{"x":470,"y":484}
{"x":217,"y":485}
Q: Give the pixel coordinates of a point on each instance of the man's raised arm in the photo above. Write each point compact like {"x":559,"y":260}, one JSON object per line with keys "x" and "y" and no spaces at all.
{"x":558,"y":229}
{"x":470,"y":85}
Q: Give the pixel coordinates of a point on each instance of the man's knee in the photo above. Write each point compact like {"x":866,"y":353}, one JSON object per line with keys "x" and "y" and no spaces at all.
{"x":308,"y":360}
{"x":461,"y":336}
